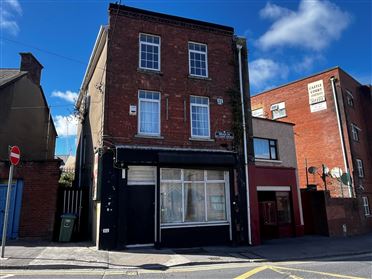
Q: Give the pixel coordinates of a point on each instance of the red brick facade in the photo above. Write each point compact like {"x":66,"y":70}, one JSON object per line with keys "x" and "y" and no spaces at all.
{"x":39,"y":196}
{"x":317,"y":135}
{"x":124,"y":79}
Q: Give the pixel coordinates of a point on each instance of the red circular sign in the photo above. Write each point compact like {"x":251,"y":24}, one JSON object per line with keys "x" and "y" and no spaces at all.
{"x":15,"y":155}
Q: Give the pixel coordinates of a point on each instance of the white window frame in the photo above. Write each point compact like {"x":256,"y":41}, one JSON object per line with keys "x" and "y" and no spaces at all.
{"x":258,"y":113}
{"x":360,"y":168}
{"x":204,"y":182}
{"x":367,"y":210}
{"x":139,"y":113}
{"x":209,"y":118}
{"x":200,"y":52}
{"x":349,"y":96}
{"x":152,"y":44}
{"x":280,"y":107}
{"x":355,"y":132}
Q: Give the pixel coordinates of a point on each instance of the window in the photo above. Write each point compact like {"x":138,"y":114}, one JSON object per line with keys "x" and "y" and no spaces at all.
{"x":366,"y":206}
{"x":141,"y":175}
{"x":198,"y":61}
{"x":258,"y":113}
{"x":149,"y":52}
{"x":265,"y":149}
{"x":360,"y":168}
{"x":189,"y":196}
{"x":349,"y":98}
{"x":355,"y":132}
{"x":283,"y":205}
{"x":199,"y":110}
{"x":278,"y":110}
{"x":149,"y":113}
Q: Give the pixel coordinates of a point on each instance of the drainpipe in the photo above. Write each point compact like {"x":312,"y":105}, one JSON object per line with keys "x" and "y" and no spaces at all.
{"x":239,"y":47}
{"x":346,"y":165}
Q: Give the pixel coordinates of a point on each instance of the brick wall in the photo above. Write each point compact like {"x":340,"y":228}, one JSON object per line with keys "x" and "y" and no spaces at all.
{"x":124,"y":79}
{"x":317,"y":135}
{"x":39,"y":196}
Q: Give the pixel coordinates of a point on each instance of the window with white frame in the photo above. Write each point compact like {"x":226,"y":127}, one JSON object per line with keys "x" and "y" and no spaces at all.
{"x":258,"y":113}
{"x":349,"y":98}
{"x":367,"y":211}
{"x":355,"y":132}
{"x":193,"y":196}
{"x":149,"y":57}
{"x":199,"y":111}
{"x":360,"y":168}
{"x":278,"y":110}
{"x":149,"y":113}
{"x":198,"y":60}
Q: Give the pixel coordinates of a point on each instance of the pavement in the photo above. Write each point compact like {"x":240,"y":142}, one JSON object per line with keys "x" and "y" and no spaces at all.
{"x":39,"y":255}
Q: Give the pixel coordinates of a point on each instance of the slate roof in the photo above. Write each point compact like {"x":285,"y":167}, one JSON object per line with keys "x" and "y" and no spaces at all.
{"x":7,"y":75}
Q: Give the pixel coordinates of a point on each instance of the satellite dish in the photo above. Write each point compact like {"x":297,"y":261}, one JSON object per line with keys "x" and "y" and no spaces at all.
{"x":312,"y":170}
{"x":346,"y":178}
{"x":336,"y":172}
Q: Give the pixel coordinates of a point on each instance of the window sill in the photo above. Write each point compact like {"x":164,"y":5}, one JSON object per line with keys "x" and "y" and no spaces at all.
{"x":196,"y":224}
{"x":148,"y":71}
{"x":200,"y":78}
{"x":148,"y":136}
{"x":201,"y":139}
{"x":268,"y":161}
{"x":284,"y":116}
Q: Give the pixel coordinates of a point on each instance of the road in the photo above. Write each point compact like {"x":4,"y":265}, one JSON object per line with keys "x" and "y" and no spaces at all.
{"x":348,"y":267}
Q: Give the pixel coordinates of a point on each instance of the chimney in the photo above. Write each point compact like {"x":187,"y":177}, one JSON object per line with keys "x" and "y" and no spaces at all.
{"x":30,"y":64}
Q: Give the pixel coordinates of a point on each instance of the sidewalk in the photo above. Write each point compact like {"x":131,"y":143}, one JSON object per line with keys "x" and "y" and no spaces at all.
{"x":51,"y":255}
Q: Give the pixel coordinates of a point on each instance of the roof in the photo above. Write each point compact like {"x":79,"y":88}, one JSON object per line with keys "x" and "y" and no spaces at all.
{"x":272,"y":120}
{"x":8,"y":75}
{"x":125,"y":8}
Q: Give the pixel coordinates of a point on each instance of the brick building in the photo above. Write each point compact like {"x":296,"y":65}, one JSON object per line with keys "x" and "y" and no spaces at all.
{"x":333,"y":134}
{"x":159,"y":144}
{"x":275,"y":194}
{"x":26,"y":122}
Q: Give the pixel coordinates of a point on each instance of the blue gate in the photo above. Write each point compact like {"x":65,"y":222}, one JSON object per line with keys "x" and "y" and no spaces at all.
{"x":14,"y":209}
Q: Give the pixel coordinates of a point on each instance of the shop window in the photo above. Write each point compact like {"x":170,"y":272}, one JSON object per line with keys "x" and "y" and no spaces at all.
{"x":283,"y":204}
{"x":265,"y":149}
{"x":278,"y":110}
{"x":192,"y":196}
{"x":367,"y":211}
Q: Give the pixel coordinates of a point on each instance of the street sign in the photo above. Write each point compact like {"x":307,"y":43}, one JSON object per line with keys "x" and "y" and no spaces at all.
{"x":14,"y":155}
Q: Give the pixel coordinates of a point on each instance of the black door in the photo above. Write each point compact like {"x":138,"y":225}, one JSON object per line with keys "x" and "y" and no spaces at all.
{"x":141,"y":214}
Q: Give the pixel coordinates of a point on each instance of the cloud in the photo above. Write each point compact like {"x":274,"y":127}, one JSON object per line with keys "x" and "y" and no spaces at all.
{"x":263,"y":73}
{"x":66,"y":125}
{"x":68,"y":96}
{"x":9,"y":10}
{"x":307,"y":63}
{"x":314,"y":26}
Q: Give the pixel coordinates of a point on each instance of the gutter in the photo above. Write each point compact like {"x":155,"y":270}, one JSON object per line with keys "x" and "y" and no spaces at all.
{"x":239,"y":47}
{"x":346,"y":164}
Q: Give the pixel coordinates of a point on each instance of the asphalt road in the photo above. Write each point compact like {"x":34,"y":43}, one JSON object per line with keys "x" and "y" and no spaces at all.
{"x":348,"y":267}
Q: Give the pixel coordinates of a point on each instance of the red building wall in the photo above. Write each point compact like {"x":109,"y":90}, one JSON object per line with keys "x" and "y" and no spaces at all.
{"x":273,"y":176}
{"x":124,"y":79}
{"x":39,"y":196}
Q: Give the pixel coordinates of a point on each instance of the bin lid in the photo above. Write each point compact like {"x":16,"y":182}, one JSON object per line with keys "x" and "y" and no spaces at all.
{"x":68,"y":215}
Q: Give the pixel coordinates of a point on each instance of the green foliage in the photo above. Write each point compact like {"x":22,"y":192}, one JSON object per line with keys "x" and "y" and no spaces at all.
{"x":66,"y":179}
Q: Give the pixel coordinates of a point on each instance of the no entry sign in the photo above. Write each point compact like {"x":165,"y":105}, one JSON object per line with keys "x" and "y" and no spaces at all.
{"x":15,"y":155}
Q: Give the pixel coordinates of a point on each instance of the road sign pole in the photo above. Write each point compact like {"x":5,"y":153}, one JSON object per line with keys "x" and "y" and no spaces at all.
{"x":7,"y":204}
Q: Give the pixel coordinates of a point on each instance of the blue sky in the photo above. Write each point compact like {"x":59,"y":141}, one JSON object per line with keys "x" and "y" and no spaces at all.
{"x":286,"y":39}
